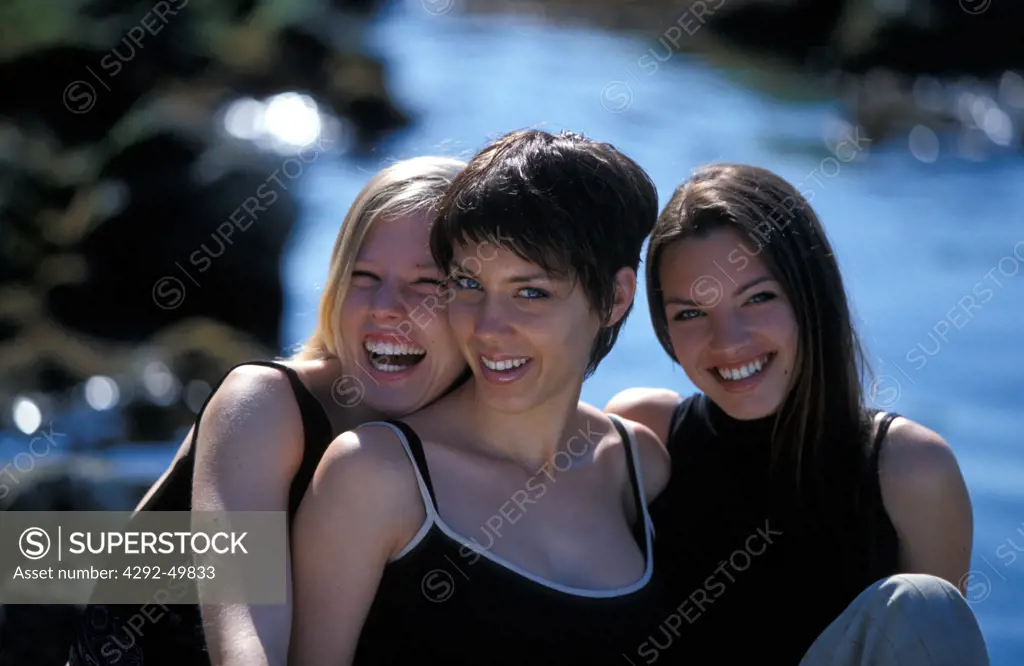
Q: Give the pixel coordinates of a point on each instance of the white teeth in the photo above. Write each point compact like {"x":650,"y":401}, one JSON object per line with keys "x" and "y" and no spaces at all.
{"x":748,"y":370}
{"x":392,"y":348}
{"x":386,"y":351}
{"x":384,"y":367}
{"x":503,"y":365}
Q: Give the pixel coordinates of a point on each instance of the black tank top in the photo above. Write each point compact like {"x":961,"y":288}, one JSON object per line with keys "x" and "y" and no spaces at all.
{"x":755,"y":577}
{"x":446,"y":600}
{"x":106,"y":635}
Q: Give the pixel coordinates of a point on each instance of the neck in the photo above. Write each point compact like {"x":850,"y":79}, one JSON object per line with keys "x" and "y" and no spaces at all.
{"x":724,"y":425}
{"x":532,"y":438}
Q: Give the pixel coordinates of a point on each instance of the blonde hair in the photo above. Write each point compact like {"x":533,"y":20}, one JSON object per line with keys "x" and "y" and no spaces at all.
{"x":409,"y":186}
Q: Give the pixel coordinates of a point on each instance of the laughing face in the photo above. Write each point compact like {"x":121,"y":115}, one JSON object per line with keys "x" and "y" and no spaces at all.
{"x":526,"y":334}
{"x":731,"y":324}
{"x":393,"y":321}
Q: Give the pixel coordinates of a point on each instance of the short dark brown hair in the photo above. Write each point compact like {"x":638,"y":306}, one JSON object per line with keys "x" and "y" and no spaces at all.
{"x":578,"y":208}
{"x":821,"y":427}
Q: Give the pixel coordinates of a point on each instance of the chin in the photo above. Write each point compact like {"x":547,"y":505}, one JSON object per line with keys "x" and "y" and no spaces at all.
{"x":507,"y":404}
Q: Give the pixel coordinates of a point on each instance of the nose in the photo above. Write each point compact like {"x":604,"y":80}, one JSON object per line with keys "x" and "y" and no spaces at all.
{"x":729,"y":334}
{"x":492,"y":321}
{"x":388,"y":306}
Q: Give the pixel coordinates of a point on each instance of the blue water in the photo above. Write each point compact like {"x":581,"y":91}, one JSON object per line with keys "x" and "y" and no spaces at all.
{"x":913,"y":239}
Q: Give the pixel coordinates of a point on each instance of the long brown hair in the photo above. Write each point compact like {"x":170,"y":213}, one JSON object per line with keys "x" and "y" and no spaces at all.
{"x":821,"y":430}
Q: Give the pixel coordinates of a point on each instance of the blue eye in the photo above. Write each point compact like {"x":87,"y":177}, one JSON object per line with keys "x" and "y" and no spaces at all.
{"x":466,"y":283}
{"x":685,"y":315}
{"x":761,"y":297}
{"x":534,"y":293}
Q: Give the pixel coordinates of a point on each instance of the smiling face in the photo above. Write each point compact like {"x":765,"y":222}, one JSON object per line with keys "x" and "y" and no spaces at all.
{"x":526,"y":335}
{"x":394,"y":327}
{"x":732,"y":327}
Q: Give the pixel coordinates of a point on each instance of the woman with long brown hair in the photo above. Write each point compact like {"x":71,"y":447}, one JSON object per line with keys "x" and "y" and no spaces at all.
{"x":787,"y":489}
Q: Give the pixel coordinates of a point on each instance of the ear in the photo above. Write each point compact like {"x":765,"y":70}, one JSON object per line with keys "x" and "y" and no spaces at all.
{"x":625,"y":290}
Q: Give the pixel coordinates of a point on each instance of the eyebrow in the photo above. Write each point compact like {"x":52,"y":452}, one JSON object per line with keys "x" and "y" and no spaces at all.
{"x":742,"y":288}
{"x":530,"y":277}
{"x":515,"y":279}
{"x":424,"y":267}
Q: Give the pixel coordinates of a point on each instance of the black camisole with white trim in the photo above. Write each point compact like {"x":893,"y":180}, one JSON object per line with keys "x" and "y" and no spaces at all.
{"x":445,"y":598}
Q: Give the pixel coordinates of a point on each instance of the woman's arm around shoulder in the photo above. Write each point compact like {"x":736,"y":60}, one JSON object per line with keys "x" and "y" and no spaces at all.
{"x":926,"y":498}
{"x":362,"y":507}
{"x":249,"y":448}
{"x":652,"y":408}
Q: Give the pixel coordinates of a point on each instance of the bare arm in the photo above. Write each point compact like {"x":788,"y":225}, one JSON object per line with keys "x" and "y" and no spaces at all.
{"x":649,"y":407}
{"x":249,"y":448}
{"x":362,"y":507}
{"x":927,"y":500}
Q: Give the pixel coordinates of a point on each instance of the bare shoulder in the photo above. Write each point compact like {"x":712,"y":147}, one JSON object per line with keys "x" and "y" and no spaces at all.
{"x":920,"y":478}
{"x":254,"y":408}
{"x":654,"y":462}
{"x":373,"y":448}
{"x":649,"y":406}
{"x":366,"y":472}
{"x":914,"y":456}
{"x":249,"y":444}
{"x":254,"y":388}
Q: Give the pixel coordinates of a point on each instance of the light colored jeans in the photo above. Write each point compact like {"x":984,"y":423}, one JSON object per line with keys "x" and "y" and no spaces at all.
{"x":904,"y":620}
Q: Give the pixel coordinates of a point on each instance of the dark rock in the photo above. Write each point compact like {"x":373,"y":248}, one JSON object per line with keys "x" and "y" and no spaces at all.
{"x":179,"y":249}
{"x":128,"y":213}
{"x":139,"y":242}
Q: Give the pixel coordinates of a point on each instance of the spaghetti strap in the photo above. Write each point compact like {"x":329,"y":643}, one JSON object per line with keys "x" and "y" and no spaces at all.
{"x":175,"y":494}
{"x":640,"y":526}
{"x":414,"y":449}
{"x":883,"y":430}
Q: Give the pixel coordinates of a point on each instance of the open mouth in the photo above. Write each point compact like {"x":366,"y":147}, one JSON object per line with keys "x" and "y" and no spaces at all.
{"x":745,"y":371}
{"x":505,"y":365}
{"x":393,"y":356}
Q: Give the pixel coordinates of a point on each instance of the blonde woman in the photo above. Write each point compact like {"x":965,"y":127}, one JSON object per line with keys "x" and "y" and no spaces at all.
{"x":382,"y":348}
